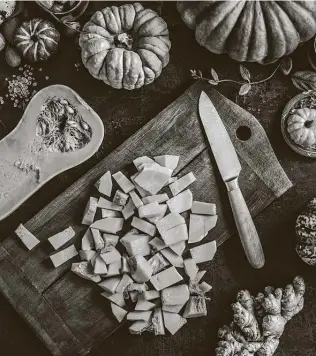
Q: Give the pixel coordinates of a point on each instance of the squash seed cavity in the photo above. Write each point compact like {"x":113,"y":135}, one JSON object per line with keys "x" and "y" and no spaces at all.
{"x":61,"y":127}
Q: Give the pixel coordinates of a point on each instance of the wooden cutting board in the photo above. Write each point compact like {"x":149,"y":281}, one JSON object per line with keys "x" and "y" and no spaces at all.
{"x":67,"y":312}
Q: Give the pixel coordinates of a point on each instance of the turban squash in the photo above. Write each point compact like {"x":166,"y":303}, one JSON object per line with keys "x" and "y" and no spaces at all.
{"x":36,"y":39}
{"x":251,"y":31}
{"x":126,"y":46}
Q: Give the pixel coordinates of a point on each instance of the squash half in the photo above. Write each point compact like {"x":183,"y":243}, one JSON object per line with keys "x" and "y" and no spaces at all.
{"x":25,"y":166}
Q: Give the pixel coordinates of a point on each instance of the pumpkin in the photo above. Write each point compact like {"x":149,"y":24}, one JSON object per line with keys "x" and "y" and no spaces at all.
{"x":36,"y":39}
{"x":301,"y":126}
{"x":306,"y":234}
{"x":252,"y":31}
{"x":33,"y":153}
{"x":126,"y":46}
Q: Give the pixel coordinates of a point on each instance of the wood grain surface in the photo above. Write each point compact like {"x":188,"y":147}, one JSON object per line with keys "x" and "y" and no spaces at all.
{"x":75,"y":304}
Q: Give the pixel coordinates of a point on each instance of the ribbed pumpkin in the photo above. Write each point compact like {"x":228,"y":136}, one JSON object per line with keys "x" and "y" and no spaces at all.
{"x":252,"y":31}
{"x":37,"y":39}
{"x":125,"y":46}
{"x":301,"y":126}
{"x":306,"y":234}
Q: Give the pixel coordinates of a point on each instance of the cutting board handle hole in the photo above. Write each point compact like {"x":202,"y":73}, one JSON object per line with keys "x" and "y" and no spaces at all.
{"x":243,"y":133}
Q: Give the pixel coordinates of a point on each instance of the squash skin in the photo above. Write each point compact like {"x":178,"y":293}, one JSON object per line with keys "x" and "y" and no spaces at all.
{"x":45,"y":43}
{"x":127,"y":46}
{"x":250,"y":31}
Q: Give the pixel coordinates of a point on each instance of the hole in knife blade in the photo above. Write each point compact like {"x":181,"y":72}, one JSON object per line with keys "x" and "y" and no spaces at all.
{"x":243,"y":133}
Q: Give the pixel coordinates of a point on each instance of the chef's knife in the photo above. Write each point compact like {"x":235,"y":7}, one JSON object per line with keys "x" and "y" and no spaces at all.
{"x":229,"y":167}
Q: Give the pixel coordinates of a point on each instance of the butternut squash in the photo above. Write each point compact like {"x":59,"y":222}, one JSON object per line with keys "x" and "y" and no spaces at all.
{"x":26,"y":160}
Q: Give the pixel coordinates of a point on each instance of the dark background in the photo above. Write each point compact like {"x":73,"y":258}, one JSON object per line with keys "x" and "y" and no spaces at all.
{"x":123,"y":113}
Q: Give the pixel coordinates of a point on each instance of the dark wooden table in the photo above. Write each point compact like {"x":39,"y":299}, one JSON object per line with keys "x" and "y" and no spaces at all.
{"x":123,"y":113}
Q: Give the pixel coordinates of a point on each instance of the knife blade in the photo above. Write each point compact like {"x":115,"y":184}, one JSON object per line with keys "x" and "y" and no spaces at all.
{"x":229,"y":167}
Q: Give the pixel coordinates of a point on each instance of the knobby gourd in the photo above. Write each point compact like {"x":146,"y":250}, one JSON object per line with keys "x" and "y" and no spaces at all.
{"x":301,"y":126}
{"x":251,"y":31}
{"x":126,"y":46}
{"x":47,"y":141}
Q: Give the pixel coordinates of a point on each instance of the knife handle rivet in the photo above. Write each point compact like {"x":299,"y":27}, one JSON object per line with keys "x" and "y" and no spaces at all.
{"x":243,"y":133}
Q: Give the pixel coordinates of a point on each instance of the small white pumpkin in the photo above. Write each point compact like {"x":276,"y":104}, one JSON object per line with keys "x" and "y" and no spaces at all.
{"x":301,"y":126}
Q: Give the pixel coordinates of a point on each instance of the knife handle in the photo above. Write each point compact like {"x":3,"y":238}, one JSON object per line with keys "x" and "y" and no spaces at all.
{"x":245,"y":225}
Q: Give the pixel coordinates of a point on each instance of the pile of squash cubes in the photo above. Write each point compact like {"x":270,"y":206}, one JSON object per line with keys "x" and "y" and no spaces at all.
{"x":145,"y":268}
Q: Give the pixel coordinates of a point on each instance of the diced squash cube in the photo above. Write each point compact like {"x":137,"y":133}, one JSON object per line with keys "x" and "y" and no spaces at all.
{"x":110,"y":255}
{"x":205,"y":287}
{"x":160,"y":214}
{"x":150,"y":295}
{"x":116,"y":298}
{"x":172,"y":257}
{"x":137,"y":244}
{"x":87,"y":242}
{"x":104,"y":184}
{"x":181,"y":202}
{"x":175,"y":295}
{"x":144,"y":305}
{"x":129,"y":209}
{"x":173,"y":322}
{"x":110,"y":284}
{"x":190,"y":267}
{"x":142,"y":192}
{"x":140,"y":268}
{"x":82,"y":269}
{"x":63,"y":256}
{"x":100,"y":266}
{"x":139,"y":287}
{"x":150,"y":210}
{"x":134,"y":295}
{"x":118,"y":312}
{"x":178,"y":247}
{"x":90,"y":210}
{"x":144,"y":226}
{"x":114,"y":269}
{"x":168,"y":161}
{"x":157,"y":322}
{"x":136,"y":199}
{"x":153,"y":177}
{"x":203,"y":208}
{"x":125,"y":266}
{"x":200,"y":225}
{"x":169,"y":221}
{"x":182,"y":183}
{"x":120,"y":198}
{"x":125,"y":184}
{"x":175,"y":234}
{"x":159,"y":198}
{"x":195,"y":307}
{"x":62,"y":237}
{"x":110,"y":239}
{"x":165,"y":278}
{"x":106,"y":204}
{"x":27,"y":238}
{"x":123,"y":284}
{"x":157,"y":244}
{"x":106,"y":213}
{"x":204,"y":253}
{"x":110,"y":225}
{"x":158,"y":263}
{"x":141,"y":160}
{"x":86,"y":255}
{"x":97,"y":238}
{"x":139,"y":327}
{"x":139,"y":315}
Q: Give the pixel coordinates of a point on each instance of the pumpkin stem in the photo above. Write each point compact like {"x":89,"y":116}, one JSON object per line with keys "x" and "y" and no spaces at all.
{"x":308,"y":124}
{"x":124,"y":40}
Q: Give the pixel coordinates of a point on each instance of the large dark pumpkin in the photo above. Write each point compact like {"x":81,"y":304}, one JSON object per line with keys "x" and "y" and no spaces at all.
{"x":36,"y":39}
{"x":125,"y":46}
{"x":252,"y":31}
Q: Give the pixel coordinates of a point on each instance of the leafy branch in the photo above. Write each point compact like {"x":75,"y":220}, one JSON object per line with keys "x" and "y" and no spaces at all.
{"x":285,"y":65}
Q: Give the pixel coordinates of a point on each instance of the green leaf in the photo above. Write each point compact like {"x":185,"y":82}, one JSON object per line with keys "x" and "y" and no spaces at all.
{"x":244,"y":72}
{"x":304,"y":80}
{"x":244,"y":89}
{"x":214,"y":75}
